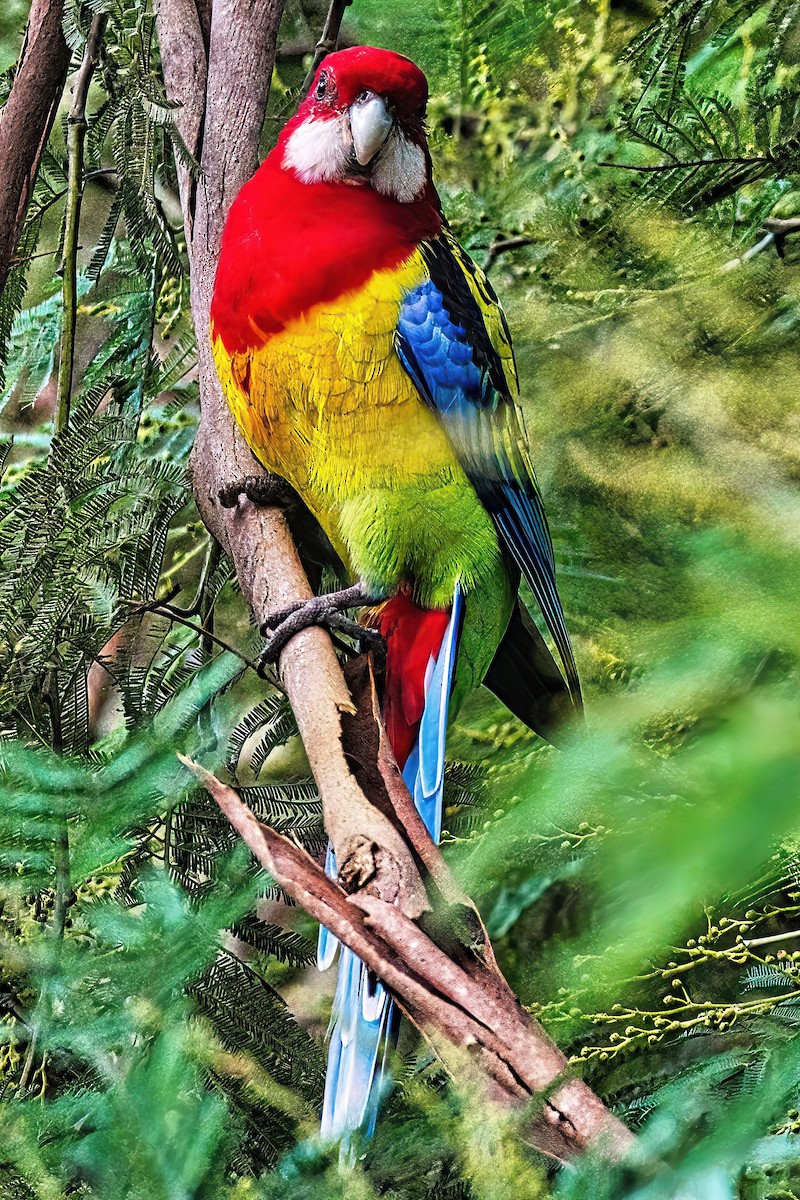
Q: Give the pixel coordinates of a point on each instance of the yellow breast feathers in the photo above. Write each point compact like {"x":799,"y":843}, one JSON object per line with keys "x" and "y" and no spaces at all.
{"x":327,"y":404}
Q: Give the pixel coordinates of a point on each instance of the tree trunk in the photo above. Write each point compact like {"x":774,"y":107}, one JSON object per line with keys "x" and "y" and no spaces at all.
{"x":27,"y":118}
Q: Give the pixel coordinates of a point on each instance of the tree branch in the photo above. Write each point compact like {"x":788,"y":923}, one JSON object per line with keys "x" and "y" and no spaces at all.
{"x":229,"y":113}
{"x":779,"y":228}
{"x":502,"y":246}
{"x":383,"y":851}
{"x":775,"y":231}
{"x":76,"y":140}
{"x":328,"y":41}
{"x":689,"y":164}
{"x":184,"y":61}
{"x":27,"y":118}
{"x":465,"y":1010}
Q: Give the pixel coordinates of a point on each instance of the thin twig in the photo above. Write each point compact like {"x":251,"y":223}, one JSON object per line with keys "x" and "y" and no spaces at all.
{"x":767,"y":941}
{"x":687,"y":164}
{"x":160,"y":609}
{"x":765,"y":241}
{"x":50,"y":694}
{"x":210,"y":562}
{"x":38,"y":254}
{"x":76,"y":138}
{"x":100,"y":173}
{"x":327,"y":43}
{"x":501,"y":246}
{"x":205,"y":604}
{"x":28,"y":1064}
{"x":778,"y":228}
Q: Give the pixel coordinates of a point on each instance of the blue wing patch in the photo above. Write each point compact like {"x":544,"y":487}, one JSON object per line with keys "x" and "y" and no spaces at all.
{"x":435,"y":352}
{"x":447,"y":347}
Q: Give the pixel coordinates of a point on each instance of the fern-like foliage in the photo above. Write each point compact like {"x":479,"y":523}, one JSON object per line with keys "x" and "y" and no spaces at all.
{"x":717,"y":101}
{"x":131,"y":145}
{"x":465,"y":795}
{"x":760,"y":975}
{"x":80,"y":530}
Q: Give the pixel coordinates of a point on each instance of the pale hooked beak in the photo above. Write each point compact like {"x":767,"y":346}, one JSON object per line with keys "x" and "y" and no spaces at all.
{"x":370,"y":125}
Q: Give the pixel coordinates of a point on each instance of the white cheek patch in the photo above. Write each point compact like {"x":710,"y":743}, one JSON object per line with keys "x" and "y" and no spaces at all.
{"x":400,"y":169}
{"x":318,"y":150}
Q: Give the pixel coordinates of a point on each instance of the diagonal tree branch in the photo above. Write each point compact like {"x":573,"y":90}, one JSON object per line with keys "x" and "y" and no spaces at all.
{"x":467,"y":1013}
{"x":27,"y":118}
{"x":406,"y":908}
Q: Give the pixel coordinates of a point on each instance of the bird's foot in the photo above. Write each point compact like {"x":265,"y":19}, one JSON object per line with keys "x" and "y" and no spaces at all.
{"x":329,"y":611}
{"x":265,"y":491}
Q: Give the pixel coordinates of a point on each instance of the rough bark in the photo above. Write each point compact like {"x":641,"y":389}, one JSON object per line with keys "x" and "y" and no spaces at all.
{"x":27,"y":118}
{"x":223,"y":101}
{"x":468,"y":1013}
{"x":455,"y":996}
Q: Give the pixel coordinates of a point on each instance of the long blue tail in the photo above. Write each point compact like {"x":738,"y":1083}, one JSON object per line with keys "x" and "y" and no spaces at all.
{"x":364,"y":1020}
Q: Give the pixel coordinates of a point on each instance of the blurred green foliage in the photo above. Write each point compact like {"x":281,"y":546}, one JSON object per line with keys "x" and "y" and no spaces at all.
{"x":642,"y":883}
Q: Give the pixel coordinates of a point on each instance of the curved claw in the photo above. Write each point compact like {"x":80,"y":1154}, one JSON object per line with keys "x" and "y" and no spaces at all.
{"x":356,"y":596}
{"x":326,"y":611}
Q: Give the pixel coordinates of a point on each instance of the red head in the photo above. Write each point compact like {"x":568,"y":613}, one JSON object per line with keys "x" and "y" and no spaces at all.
{"x":362,"y":123}
{"x":346,"y":192}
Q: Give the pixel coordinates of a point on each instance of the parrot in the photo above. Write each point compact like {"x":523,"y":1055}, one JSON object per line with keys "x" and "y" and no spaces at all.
{"x":368,"y":363}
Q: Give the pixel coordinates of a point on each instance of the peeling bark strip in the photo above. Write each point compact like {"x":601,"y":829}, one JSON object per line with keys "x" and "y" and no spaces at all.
{"x":470,"y":1017}
{"x":27,"y":118}
{"x":455,"y":995}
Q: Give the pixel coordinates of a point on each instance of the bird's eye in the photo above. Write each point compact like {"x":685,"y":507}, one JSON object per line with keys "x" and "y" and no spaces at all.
{"x":322,"y":87}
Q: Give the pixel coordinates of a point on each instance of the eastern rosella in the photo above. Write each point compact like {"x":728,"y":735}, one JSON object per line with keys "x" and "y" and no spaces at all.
{"x":368,"y":362}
